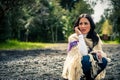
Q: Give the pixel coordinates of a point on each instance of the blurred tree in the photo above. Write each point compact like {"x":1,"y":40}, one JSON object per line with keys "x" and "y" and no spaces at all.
{"x":106,"y":30}
{"x":39,"y":20}
{"x":68,"y":4}
{"x":46,"y":24}
{"x":99,"y":24}
{"x":112,"y":14}
{"x":115,"y":18}
{"x":10,"y":13}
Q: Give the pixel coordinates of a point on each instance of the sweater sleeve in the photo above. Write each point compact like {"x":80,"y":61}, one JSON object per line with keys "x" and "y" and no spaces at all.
{"x":82,"y":45}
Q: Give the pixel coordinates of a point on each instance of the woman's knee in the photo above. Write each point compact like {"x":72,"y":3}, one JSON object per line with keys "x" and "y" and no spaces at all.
{"x":104,"y":60}
{"x":86,"y":58}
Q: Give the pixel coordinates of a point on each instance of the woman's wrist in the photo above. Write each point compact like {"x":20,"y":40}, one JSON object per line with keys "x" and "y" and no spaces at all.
{"x":79,"y":34}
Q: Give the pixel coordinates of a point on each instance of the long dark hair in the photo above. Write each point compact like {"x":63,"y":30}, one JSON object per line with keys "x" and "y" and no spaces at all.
{"x":92,"y":34}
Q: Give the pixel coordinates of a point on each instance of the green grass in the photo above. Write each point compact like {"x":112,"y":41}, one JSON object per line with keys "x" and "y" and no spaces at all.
{"x":111,"y":42}
{"x":15,"y":45}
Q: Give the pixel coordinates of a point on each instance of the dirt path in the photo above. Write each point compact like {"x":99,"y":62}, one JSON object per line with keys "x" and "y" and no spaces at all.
{"x":47,"y":64}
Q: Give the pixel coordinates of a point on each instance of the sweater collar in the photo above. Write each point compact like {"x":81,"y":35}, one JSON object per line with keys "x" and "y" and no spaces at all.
{"x":84,"y":35}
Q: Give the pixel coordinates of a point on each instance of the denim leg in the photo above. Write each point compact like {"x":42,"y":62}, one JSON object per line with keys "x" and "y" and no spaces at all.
{"x":86,"y":66}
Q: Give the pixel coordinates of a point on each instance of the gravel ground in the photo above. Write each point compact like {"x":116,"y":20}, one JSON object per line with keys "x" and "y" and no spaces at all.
{"x":47,"y":64}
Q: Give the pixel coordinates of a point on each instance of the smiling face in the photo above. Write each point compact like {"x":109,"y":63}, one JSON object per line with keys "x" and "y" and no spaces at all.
{"x":84,"y":25}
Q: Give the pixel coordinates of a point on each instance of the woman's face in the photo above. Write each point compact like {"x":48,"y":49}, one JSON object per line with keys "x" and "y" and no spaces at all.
{"x":84,"y":25}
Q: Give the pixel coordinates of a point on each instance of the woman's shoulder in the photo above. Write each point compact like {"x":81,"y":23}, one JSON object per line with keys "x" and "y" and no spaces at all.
{"x":73,"y":37}
{"x":100,"y":41}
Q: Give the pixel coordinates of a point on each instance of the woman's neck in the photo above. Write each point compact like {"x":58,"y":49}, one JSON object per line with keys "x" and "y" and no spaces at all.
{"x":84,"y":35}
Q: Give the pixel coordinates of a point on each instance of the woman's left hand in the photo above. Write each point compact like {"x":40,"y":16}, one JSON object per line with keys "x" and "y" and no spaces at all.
{"x":99,"y":55}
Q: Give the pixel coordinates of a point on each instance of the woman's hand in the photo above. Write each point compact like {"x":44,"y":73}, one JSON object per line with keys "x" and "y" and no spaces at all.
{"x":77,"y":31}
{"x":99,"y":55}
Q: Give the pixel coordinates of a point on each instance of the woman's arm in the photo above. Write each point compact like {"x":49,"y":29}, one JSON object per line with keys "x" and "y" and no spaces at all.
{"x":82,"y":44}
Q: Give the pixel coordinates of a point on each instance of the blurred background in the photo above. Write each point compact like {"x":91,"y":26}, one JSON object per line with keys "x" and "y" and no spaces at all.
{"x":52,"y":20}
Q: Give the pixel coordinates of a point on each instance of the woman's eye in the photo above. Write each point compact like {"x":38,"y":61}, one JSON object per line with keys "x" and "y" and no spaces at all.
{"x":80,"y":23}
{"x":85,"y":23}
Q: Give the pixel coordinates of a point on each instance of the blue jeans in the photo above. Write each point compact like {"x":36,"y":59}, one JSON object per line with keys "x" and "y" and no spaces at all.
{"x":86,"y":66}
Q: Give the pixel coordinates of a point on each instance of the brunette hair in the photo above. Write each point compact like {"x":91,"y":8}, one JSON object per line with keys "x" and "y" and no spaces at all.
{"x":91,"y":34}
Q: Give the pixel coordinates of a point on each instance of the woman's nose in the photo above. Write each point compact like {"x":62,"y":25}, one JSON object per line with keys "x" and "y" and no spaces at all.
{"x":83,"y":25}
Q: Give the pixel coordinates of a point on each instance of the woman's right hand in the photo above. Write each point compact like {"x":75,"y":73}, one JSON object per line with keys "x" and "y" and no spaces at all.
{"x":77,"y":31}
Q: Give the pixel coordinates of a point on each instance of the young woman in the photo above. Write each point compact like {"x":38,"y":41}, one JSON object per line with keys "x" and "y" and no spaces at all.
{"x":85,"y":58}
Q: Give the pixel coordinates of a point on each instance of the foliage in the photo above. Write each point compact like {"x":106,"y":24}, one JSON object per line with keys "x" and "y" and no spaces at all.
{"x":10,"y":14}
{"x":115,"y":18}
{"x":99,"y":25}
{"x":39,"y":20}
{"x":112,"y":14}
{"x":68,"y":4}
{"x":106,"y":28}
{"x":47,"y":24}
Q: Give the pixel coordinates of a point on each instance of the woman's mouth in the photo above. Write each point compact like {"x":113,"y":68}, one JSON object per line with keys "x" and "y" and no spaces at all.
{"x":83,"y":30}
